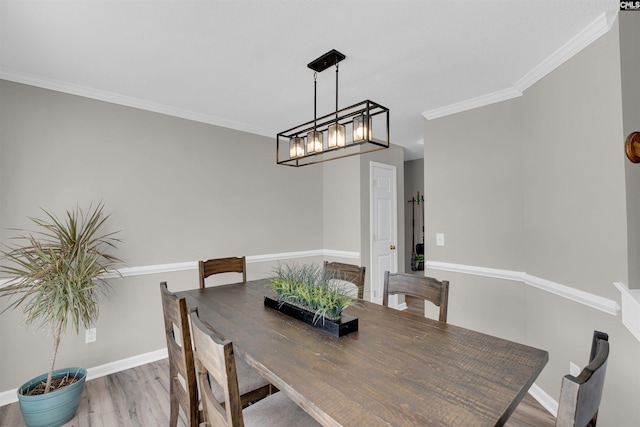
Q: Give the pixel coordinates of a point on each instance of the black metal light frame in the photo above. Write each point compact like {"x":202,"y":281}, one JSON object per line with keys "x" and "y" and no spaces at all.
{"x":375,"y":115}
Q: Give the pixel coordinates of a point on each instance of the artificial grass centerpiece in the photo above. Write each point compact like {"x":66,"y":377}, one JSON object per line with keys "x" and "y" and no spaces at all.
{"x":307,"y":287}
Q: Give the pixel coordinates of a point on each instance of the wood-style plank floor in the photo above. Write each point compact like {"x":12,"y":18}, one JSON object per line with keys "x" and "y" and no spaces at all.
{"x":139,"y":397}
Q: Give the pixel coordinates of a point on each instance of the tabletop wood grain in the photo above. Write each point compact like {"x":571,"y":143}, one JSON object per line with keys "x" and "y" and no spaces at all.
{"x":398,"y":369}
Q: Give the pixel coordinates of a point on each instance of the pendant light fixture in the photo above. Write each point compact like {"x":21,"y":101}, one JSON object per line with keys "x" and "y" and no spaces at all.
{"x":368,"y":122}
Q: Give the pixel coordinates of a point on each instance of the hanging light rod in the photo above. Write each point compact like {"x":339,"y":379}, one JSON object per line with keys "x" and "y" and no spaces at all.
{"x":306,"y":144}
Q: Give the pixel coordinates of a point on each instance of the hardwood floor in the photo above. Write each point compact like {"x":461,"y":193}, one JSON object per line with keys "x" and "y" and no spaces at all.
{"x":138,"y":397}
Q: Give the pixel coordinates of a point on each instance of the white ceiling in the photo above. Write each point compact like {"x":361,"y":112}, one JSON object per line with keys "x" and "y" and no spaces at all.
{"x":243,"y":64}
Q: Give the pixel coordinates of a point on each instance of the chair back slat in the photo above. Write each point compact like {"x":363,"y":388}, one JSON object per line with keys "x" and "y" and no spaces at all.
{"x":347,"y":272}
{"x":215,"y":361}
{"x":222,"y":265}
{"x":427,"y":288}
{"x":580,"y":396}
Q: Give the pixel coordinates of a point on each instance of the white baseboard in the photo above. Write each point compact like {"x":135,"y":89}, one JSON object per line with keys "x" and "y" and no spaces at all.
{"x":11,"y":396}
{"x":544,"y":399}
{"x":128,"y":363}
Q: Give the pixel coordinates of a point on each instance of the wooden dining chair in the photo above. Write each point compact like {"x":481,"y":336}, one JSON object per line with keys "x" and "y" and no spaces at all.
{"x":348,"y":273}
{"x":580,"y":396}
{"x":222,"y":265}
{"x":216,"y":364}
{"x":183,"y":387}
{"x":426,"y":288}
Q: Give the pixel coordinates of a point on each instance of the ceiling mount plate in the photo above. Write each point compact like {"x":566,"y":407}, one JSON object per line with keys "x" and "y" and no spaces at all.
{"x":327,"y":60}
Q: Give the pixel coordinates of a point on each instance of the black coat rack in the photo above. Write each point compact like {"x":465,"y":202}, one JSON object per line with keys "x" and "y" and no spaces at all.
{"x":417,"y":249}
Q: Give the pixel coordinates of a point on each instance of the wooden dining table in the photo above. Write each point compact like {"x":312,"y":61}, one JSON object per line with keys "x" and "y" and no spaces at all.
{"x":398,"y":369}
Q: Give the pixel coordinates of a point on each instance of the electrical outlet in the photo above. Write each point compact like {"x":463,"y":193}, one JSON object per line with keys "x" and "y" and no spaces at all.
{"x":90,"y":335}
{"x":439,"y":239}
{"x":574,"y":369}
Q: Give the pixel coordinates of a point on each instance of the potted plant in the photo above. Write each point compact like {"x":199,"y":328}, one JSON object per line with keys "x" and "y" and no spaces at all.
{"x":306,"y":293}
{"x":56,"y":275}
{"x":418,"y":262}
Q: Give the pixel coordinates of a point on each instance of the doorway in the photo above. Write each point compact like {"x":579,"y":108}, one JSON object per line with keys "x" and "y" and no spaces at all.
{"x":383,"y":227}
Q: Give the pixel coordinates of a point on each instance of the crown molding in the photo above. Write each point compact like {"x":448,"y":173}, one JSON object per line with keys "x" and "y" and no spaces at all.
{"x":592,"y":32}
{"x":127,"y":101}
{"x":584,"y":38}
{"x":470,"y":104}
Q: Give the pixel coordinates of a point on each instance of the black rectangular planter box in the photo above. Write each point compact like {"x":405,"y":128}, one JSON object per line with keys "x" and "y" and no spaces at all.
{"x":337,"y":328}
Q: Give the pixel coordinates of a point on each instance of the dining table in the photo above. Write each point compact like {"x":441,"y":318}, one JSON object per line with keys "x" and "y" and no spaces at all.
{"x":397,"y":369}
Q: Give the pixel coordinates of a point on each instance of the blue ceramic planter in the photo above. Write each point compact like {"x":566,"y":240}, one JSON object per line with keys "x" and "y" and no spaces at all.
{"x":55,"y":408}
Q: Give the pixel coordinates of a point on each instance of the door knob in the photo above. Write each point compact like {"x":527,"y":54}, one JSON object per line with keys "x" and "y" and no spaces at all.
{"x":392,"y":247}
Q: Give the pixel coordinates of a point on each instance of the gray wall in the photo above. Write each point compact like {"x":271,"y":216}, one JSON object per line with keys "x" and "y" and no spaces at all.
{"x":179,"y":191}
{"x":537,"y":184}
{"x":575,"y":218}
{"x":341,"y":205}
{"x":630,"y":64}
{"x":473,"y":187}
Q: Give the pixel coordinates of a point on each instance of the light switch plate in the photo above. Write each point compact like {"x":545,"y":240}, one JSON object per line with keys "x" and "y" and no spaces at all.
{"x":439,"y":239}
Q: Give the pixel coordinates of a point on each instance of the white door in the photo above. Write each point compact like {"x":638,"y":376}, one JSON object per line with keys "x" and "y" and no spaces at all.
{"x":383,"y":233}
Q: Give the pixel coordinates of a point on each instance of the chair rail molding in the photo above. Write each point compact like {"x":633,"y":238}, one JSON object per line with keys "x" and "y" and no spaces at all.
{"x":591,"y":300}
{"x":630,"y":300}
{"x":193,"y":265}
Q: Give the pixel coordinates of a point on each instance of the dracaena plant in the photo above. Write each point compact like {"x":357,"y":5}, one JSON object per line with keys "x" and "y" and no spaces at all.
{"x":57,"y":272}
